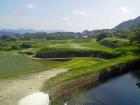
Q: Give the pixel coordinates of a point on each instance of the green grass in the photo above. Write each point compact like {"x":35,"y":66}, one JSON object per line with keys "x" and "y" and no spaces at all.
{"x":85,"y":66}
{"x":13,"y":64}
{"x":74,"y":48}
{"x":71,"y":52}
{"x":78,"y":62}
{"x":115,"y":42}
{"x":71,"y":43}
{"x":92,"y":44}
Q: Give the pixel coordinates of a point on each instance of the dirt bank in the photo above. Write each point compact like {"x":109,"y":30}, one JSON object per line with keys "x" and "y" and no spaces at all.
{"x":11,"y":91}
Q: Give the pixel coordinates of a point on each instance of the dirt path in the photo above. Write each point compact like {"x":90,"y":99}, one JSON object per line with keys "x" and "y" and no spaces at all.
{"x":11,"y":91}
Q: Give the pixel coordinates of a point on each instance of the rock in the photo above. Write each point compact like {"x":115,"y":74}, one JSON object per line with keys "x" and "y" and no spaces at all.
{"x":38,"y":98}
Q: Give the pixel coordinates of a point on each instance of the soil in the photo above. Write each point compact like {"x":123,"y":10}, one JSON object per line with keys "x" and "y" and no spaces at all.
{"x":12,"y":90}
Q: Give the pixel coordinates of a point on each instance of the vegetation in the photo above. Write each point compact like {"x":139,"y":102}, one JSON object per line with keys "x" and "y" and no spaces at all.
{"x":70,"y":52}
{"x":16,"y":56}
{"x":115,"y":42}
{"x":89,"y":51}
{"x":78,"y":68}
{"x":13,"y":64}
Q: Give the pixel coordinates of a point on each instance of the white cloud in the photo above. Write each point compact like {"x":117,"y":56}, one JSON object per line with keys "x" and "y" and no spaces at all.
{"x":123,"y":10}
{"x":30,"y":6}
{"x":67,"y":21}
{"x":83,"y":13}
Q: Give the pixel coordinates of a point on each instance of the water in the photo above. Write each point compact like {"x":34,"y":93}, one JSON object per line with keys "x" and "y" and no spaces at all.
{"x":120,"y":90}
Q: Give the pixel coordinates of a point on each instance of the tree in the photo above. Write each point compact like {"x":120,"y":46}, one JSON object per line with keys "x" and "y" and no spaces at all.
{"x":137,"y":36}
{"x":5,"y":37}
{"x":130,"y":36}
{"x":101,"y":36}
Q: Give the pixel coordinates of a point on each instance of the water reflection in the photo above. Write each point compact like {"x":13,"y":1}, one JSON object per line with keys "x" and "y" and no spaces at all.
{"x":38,"y":98}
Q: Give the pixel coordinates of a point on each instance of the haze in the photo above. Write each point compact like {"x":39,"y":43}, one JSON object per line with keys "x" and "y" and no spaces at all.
{"x":67,"y":15}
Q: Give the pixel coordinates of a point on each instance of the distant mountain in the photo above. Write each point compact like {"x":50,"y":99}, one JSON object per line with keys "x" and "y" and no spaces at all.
{"x":7,"y":33}
{"x":22,"y":31}
{"x":19,"y":31}
{"x":133,"y":23}
{"x":51,"y":31}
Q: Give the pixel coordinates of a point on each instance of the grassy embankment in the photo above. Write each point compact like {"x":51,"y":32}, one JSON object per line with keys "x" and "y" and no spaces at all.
{"x":75,"y":48}
{"x":115,"y":42}
{"x":85,"y":66}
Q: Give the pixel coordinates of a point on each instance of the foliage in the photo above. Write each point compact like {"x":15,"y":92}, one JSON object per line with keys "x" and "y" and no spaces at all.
{"x":26,"y":45}
{"x":71,"y":52}
{"x":136,"y":37}
{"x":78,"y":68}
{"x":14,"y":64}
{"x":115,"y":42}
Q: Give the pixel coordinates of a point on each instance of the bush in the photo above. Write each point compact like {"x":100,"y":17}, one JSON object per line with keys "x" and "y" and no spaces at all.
{"x":26,"y":52}
{"x":70,"y":52}
{"x":26,"y":45}
{"x":114,"y":42}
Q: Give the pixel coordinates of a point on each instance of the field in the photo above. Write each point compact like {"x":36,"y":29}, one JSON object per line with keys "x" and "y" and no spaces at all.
{"x":49,"y":48}
{"x":27,"y":66}
{"x":20,"y":59}
{"x":15,"y":62}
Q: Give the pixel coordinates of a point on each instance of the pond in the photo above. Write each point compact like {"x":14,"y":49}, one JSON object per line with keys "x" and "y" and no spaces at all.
{"x":121,"y":90}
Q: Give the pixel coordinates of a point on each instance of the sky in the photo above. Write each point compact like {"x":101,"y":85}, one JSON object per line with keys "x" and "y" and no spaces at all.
{"x":66,"y":15}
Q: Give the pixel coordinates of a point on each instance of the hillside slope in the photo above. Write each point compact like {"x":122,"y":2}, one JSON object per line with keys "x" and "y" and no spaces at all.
{"x":133,"y":23}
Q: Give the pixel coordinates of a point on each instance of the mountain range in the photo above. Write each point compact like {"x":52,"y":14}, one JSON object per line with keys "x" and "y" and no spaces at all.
{"x":22,"y":31}
{"x":133,"y":23}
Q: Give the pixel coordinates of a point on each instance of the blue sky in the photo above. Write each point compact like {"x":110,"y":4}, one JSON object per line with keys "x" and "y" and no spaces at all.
{"x":68,"y":15}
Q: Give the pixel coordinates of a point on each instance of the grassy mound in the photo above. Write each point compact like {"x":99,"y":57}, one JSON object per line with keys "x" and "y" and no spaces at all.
{"x":71,"y":52}
{"x":114,"y":42}
{"x":85,"y":66}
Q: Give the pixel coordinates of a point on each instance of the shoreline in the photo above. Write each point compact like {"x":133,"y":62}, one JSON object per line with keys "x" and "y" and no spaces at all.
{"x":94,"y":78}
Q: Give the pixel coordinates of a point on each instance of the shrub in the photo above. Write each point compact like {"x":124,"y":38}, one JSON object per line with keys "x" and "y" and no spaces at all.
{"x":70,"y":52}
{"x":26,"y":45}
